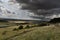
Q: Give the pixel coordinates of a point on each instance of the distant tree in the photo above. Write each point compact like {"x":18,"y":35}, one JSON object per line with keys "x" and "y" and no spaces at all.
{"x":3,"y":21}
{"x":55,"y":20}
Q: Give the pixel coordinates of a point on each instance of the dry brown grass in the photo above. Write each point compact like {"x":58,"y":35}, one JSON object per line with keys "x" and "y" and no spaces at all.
{"x":35,"y":33}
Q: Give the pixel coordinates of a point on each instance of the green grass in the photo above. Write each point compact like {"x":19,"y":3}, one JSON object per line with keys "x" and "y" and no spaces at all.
{"x":35,"y":33}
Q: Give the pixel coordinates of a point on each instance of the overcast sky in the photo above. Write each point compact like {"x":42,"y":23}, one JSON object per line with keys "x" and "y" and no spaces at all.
{"x":5,"y":0}
{"x":44,"y":9}
{"x":16,"y":12}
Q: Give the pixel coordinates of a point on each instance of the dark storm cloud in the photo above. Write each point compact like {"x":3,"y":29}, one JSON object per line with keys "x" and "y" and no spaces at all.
{"x":42,"y":7}
{"x":40,"y":4}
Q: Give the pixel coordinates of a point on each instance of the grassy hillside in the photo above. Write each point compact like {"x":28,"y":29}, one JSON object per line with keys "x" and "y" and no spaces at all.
{"x":35,"y":33}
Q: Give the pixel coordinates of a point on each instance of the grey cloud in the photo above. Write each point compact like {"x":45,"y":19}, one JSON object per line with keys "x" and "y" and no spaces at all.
{"x":12,"y":11}
{"x":41,"y":4}
{"x":46,"y":8}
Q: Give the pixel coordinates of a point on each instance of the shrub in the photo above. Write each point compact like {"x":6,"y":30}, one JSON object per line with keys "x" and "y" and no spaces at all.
{"x":20,"y":27}
{"x":27,"y":26}
{"x":15,"y":29}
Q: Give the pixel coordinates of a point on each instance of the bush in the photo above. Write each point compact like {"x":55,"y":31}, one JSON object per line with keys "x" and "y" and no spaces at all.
{"x":15,"y":29}
{"x":20,"y":27}
{"x":27,"y":26}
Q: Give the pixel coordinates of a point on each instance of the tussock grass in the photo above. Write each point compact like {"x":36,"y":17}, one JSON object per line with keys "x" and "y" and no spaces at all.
{"x":36,"y":33}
